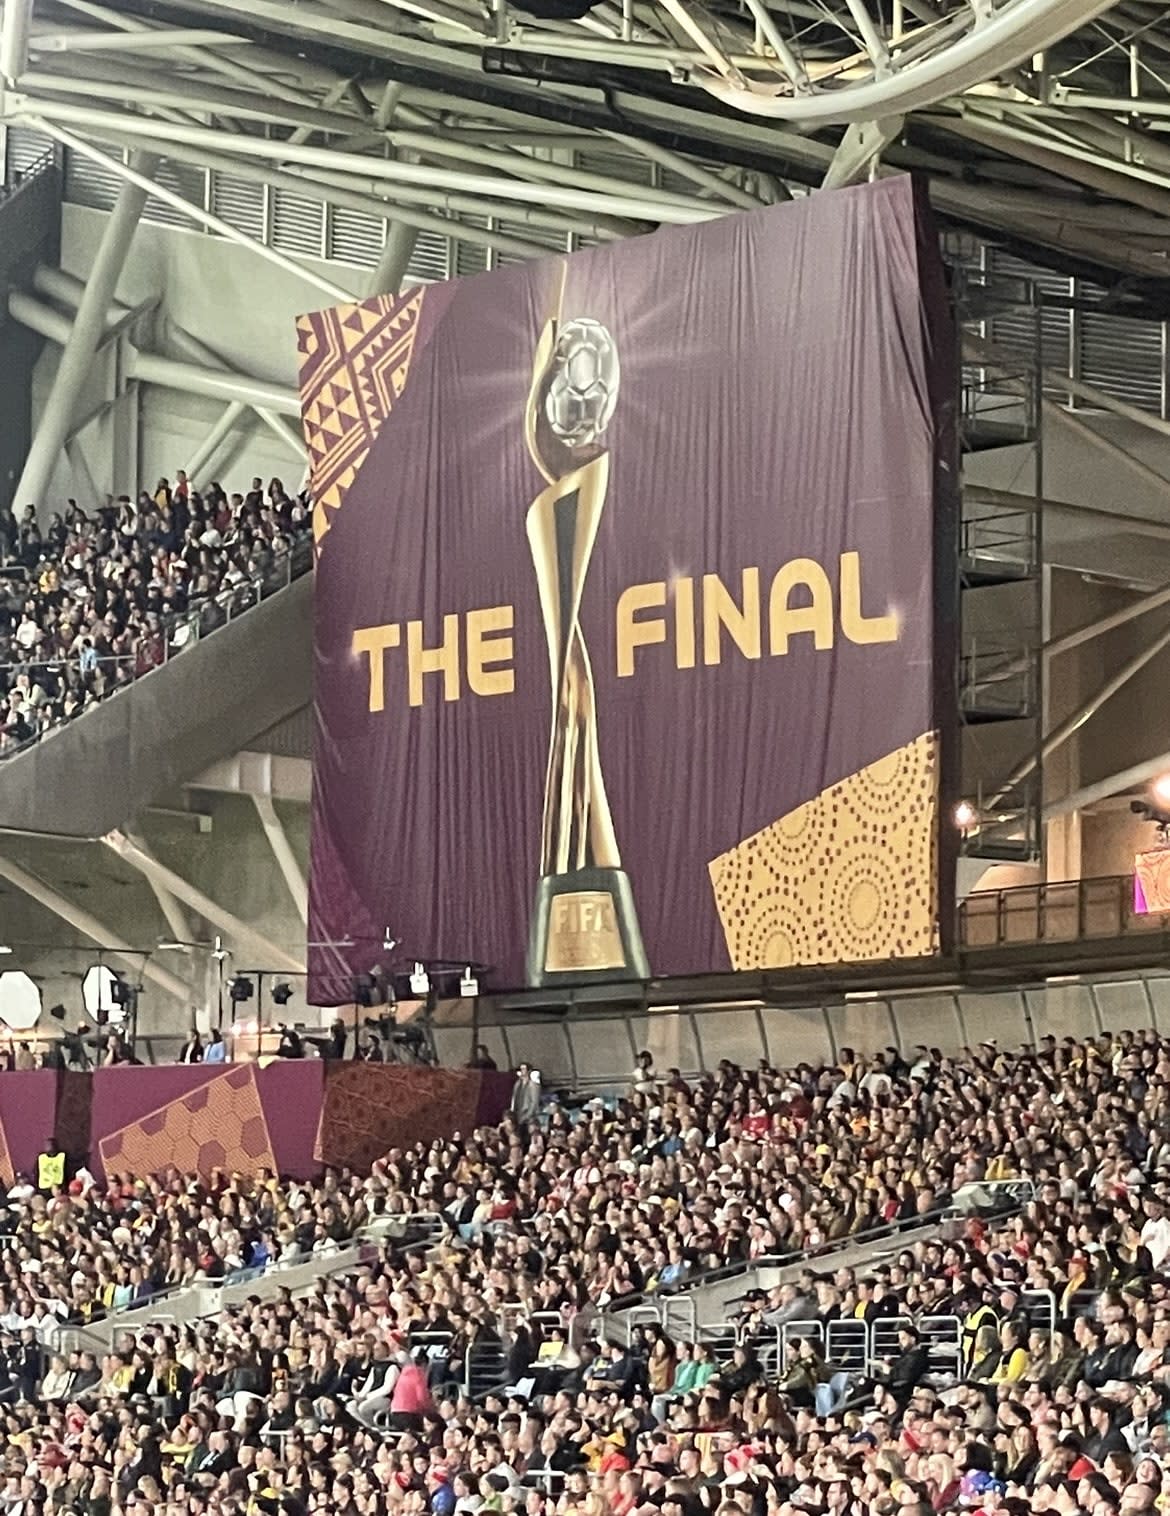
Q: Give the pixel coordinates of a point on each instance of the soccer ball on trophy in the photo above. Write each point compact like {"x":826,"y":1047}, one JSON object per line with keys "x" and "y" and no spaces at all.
{"x":584,"y":380}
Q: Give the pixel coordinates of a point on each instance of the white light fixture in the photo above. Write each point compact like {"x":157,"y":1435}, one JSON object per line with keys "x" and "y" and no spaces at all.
{"x":468,"y":984}
{"x":20,"y":1001}
{"x":389,"y":941}
{"x":4,"y":949}
{"x":420,"y":980}
{"x":965,"y":815}
{"x":97,"y":990}
{"x":1161,"y":789}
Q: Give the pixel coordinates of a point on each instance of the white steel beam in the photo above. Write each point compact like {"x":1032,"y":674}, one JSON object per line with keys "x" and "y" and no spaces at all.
{"x":213,"y":222}
{"x":1085,"y":712}
{"x":89,"y":926}
{"x":270,"y":955}
{"x":286,"y":859}
{"x":152,"y":369}
{"x":202,"y":456}
{"x":176,"y":918}
{"x":859,"y":150}
{"x":14,"y":38}
{"x":84,"y":337}
{"x":1009,"y":35}
{"x":89,"y":41}
{"x":1104,"y":789}
{"x":673,"y":210}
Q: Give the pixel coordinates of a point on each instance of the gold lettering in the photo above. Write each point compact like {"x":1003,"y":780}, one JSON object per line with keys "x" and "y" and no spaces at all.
{"x":632,"y":634}
{"x":443,"y":659}
{"x":786,"y":621}
{"x":373,"y":641}
{"x":484,"y":649}
{"x":719,"y":609}
{"x":860,"y":628}
{"x":684,"y":623}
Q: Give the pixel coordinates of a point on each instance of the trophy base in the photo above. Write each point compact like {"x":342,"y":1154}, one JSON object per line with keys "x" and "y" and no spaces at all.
{"x":584,"y":930}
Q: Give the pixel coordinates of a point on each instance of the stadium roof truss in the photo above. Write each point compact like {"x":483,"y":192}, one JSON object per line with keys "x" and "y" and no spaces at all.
{"x":1040,"y":123}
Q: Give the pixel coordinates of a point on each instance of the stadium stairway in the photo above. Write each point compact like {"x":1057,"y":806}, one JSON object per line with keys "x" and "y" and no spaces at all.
{"x":196,"y":1302}
{"x":203,"y":704}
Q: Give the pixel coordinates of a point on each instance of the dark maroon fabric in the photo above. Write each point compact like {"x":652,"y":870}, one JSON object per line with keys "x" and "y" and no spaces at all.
{"x":495,"y":1095}
{"x":775,"y":403}
{"x":292,"y":1093}
{"x":74,"y":1105}
{"x":28,"y":1117}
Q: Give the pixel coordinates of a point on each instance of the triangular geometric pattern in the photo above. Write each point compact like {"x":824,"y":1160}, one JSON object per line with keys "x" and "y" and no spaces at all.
{"x":354,"y":365}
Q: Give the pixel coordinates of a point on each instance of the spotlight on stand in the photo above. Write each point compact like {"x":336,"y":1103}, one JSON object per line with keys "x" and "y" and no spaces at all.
{"x":240,"y":989}
{"x":282,"y":994}
{"x":468,"y":984}
{"x":420,"y":981}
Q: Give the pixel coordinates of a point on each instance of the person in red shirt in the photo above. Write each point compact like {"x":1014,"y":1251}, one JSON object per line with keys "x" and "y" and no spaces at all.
{"x":412,"y":1404}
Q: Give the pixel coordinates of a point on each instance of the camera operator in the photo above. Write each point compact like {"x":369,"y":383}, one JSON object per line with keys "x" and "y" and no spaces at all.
{"x":290,"y":1044}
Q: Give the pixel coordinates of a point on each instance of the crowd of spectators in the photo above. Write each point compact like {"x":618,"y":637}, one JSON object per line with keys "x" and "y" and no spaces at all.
{"x":90,"y":600}
{"x":355,"y":1397}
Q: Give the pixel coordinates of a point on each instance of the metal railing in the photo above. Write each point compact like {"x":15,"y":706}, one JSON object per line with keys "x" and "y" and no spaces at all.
{"x":1074,"y":910}
{"x":183,"y":629}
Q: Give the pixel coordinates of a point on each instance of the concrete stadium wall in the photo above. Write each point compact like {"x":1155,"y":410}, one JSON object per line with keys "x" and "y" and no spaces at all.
{"x":222,"y":851}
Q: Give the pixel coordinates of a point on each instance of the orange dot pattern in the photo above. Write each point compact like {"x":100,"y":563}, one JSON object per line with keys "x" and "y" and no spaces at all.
{"x":219,"y":1125}
{"x":849,"y":877}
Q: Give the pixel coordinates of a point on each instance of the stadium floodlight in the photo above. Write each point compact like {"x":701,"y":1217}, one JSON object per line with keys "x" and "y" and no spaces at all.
{"x":20,"y":1001}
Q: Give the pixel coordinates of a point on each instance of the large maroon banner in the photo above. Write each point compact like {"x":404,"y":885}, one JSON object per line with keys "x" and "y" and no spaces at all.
{"x":626,"y":609}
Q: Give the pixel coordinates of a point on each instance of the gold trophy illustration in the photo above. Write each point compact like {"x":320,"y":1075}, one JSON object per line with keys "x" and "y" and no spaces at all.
{"x":584,"y":924}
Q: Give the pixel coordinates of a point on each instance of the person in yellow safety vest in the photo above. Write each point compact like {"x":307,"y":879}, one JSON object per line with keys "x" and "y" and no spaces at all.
{"x":981,"y":1315}
{"x":50,"y":1170}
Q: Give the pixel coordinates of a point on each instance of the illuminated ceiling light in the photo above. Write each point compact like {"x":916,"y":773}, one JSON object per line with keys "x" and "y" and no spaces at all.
{"x":965,"y":815}
{"x":1160,"y":789}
